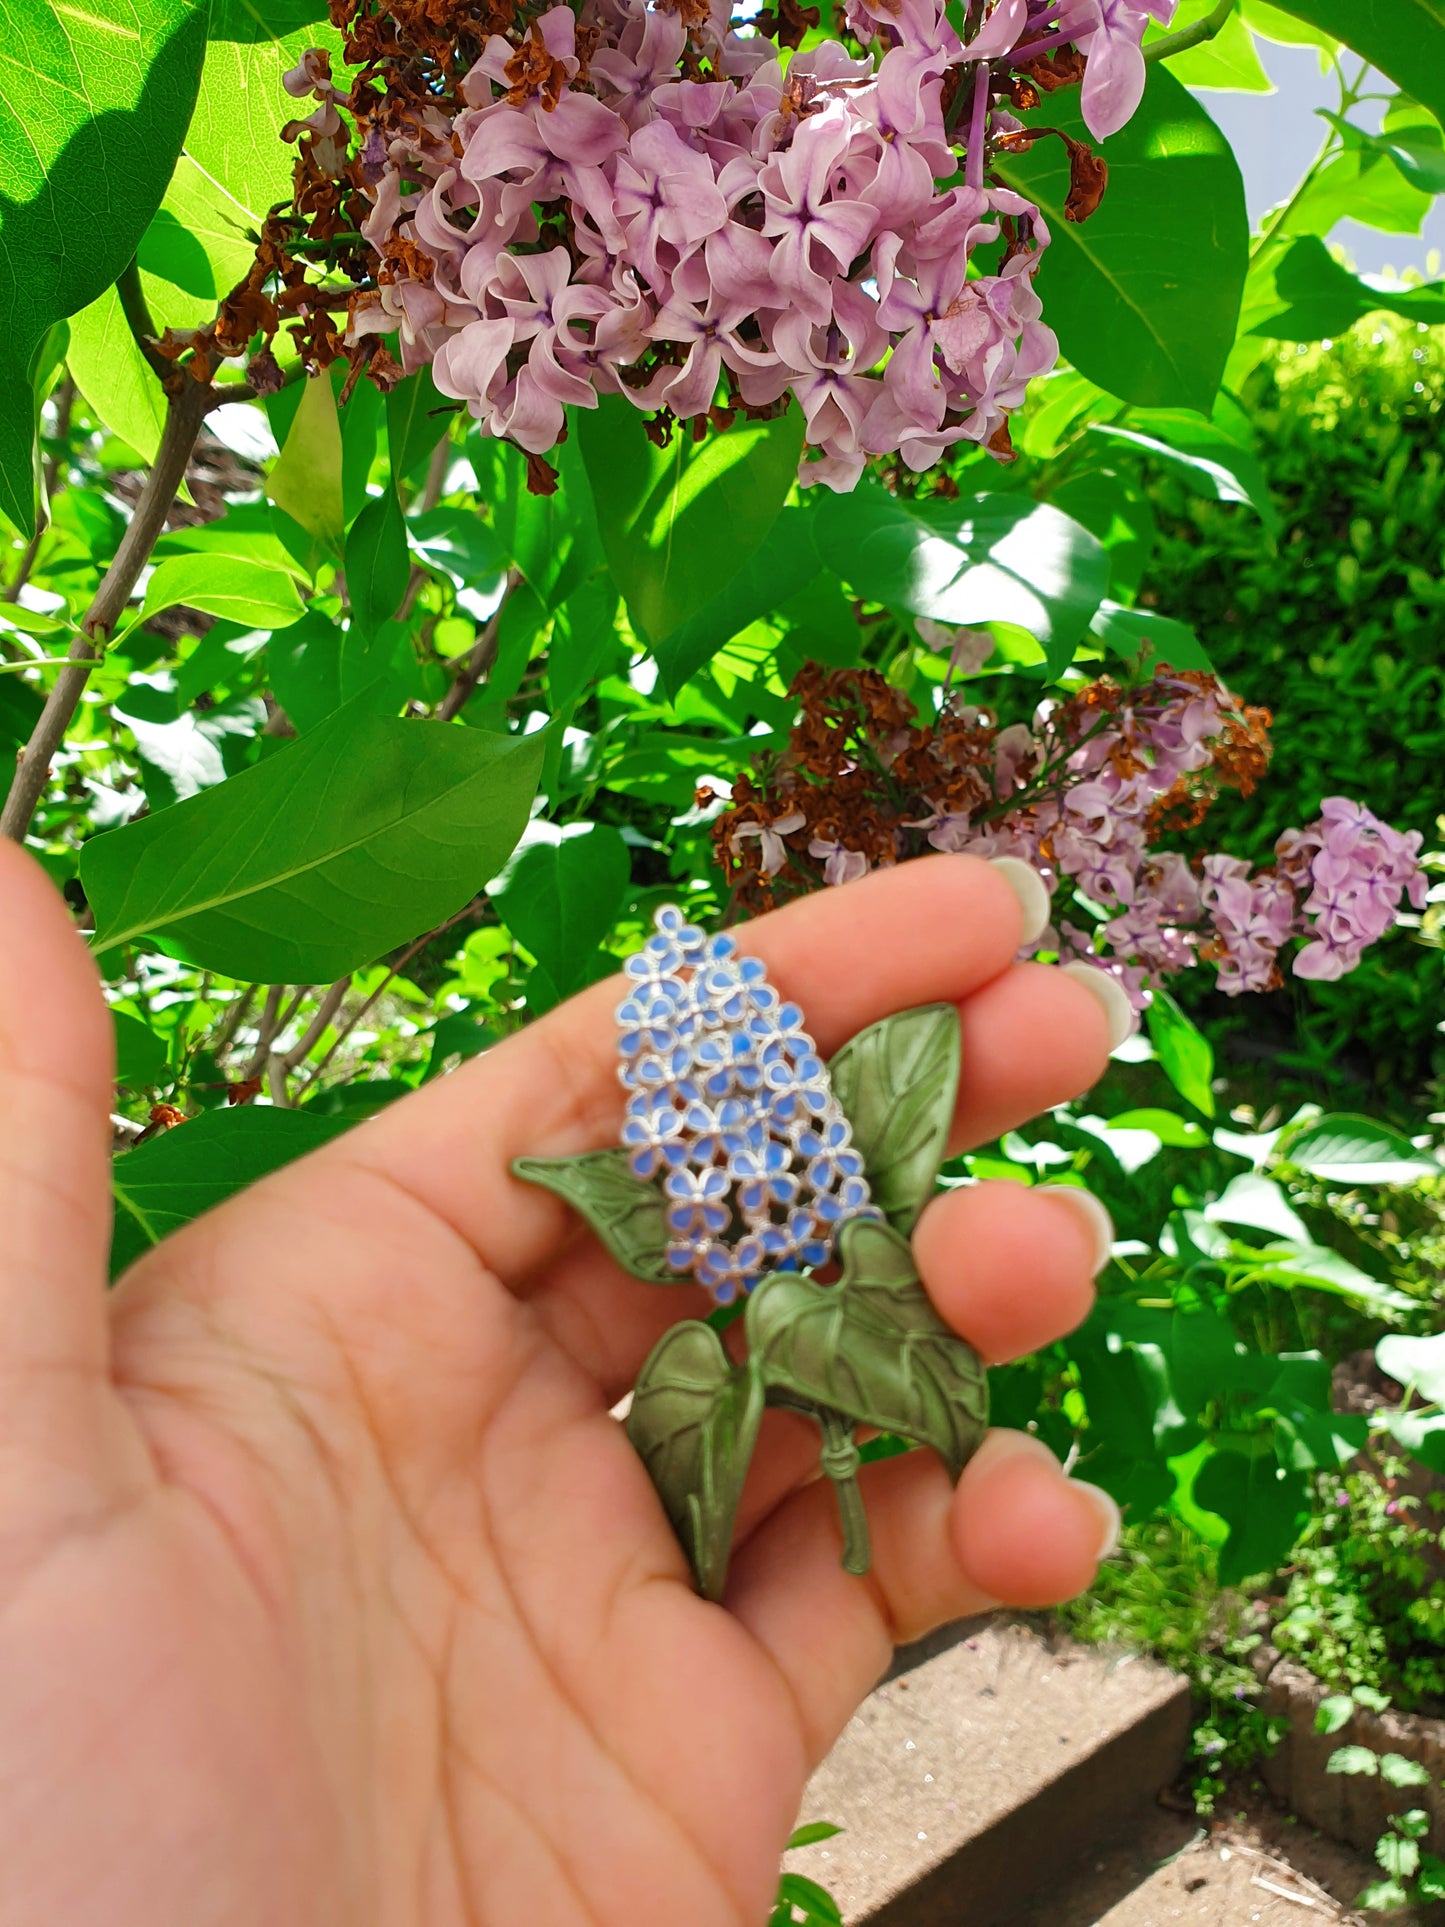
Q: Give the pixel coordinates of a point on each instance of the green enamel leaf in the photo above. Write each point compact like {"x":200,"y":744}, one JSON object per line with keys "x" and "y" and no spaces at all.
{"x":627,"y":1215}
{"x":872,"y":1347}
{"x":898,"y":1081}
{"x":694,"y":1420}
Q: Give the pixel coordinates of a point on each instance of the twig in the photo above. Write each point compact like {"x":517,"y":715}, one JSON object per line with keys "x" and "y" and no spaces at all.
{"x":232,"y":1021}
{"x":1300,"y":1900}
{"x":344,"y":1029}
{"x":311,"y":1036}
{"x":1179,"y":43}
{"x":431,"y":494}
{"x":265,"y":1034}
{"x":187,"y":411}
{"x":478,"y":660}
{"x":136,"y":309}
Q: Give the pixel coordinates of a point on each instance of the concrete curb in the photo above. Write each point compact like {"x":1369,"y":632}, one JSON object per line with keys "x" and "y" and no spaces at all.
{"x":976,"y":1779}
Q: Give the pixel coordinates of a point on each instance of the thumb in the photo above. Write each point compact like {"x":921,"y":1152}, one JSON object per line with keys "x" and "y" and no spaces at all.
{"x":56,"y":1066}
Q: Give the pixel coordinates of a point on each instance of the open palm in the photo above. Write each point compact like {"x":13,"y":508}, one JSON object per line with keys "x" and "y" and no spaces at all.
{"x":329,"y":1590}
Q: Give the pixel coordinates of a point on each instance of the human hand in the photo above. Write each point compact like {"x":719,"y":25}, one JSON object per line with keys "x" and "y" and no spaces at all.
{"x":329,"y":1590}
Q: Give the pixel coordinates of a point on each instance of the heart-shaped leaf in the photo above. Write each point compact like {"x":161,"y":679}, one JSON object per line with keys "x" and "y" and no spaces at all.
{"x":694,"y":1420}
{"x":627,"y":1215}
{"x":897,"y":1082}
{"x":872,"y":1347}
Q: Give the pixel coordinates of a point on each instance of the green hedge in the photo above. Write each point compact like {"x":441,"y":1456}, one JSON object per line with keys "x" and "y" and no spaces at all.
{"x":1340,"y":633}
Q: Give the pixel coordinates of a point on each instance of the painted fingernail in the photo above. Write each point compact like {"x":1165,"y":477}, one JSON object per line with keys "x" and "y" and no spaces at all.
{"x":1111,"y":1519}
{"x":1112,"y":997}
{"x":1091,"y":1214}
{"x":1029,"y":887}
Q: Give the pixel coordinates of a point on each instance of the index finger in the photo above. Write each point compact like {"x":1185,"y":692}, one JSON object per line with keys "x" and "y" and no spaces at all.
{"x":933,"y":930}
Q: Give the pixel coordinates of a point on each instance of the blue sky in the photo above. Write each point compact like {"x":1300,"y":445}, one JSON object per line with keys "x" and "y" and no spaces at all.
{"x":1275,"y":137}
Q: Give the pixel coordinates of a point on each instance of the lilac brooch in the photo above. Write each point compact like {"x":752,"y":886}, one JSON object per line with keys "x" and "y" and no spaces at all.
{"x":748,"y":1166}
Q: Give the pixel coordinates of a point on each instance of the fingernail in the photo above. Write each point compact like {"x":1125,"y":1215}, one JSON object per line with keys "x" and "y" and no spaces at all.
{"x":1112,"y":997}
{"x":1111,"y":1519}
{"x":1092,"y":1215}
{"x":1030,"y":889}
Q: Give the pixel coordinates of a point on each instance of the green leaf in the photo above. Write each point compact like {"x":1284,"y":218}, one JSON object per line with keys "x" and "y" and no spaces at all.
{"x":378,"y":566}
{"x":1396,"y":1770}
{"x":456,"y":542}
{"x":188,"y":753}
{"x":662,"y":512}
{"x":334,"y":850}
{"x":1417,"y":1362}
{"x":872,"y":1347}
{"x":305,"y":480}
{"x":811,"y":1834}
{"x":1265,"y":18}
{"x":1126,"y":631}
{"x":1346,"y":1149}
{"x":561,"y":894}
{"x":1327,"y":1270}
{"x":1383,"y":1896}
{"x":114,"y":376}
{"x":694,"y":1420}
{"x":1354,"y":1759}
{"x":20,"y":710}
{"x":1333,"y":1713}
{"x":1181,"y":1133}
{"x":1144,"y":296}
{"x":552,"y":539}
{"x":140,"y":1056}
{"x":1398,"y":1857}
{"x":1229,"y":63}
{"x":584,"y":637}
{"x":1211,"y":462}
{"x":93,"y":107}
{"x":162,"y":1185}
{"x":989,"y":558}
{"x":418,"y":414}
{"x":1261,"y":1205}
{"x":1262,"y":1505}
{"x":1362,"y":184}
{"x":1303,"y":294}
{"x":782,"y":565}
{"x":821,"y":1910}
{"x":1405,"y":39}
{"x":234,"y":137}
{"x":1185,"y":1054}
{"x":897,"y":1082}
{"x":628,"y":1216}
{"x":253,"y":593}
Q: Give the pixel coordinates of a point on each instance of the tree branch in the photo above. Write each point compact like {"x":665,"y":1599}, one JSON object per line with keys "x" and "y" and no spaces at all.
{"x":136,"y":309}
{"x":345,"y":1028}
{"x":478,"y":660}
{"x":188,"y":409}
{"x":1179,"y":43}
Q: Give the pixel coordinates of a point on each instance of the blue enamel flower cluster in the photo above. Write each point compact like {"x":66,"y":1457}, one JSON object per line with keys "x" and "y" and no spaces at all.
{"x":731,"y":1110}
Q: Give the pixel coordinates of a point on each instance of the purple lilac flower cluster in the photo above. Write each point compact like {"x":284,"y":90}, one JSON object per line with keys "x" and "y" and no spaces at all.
{"x":731,"y":1110}
{"x":1339,"y":882}
{"x":1084,"y":792}
{"x":641,"y":200}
